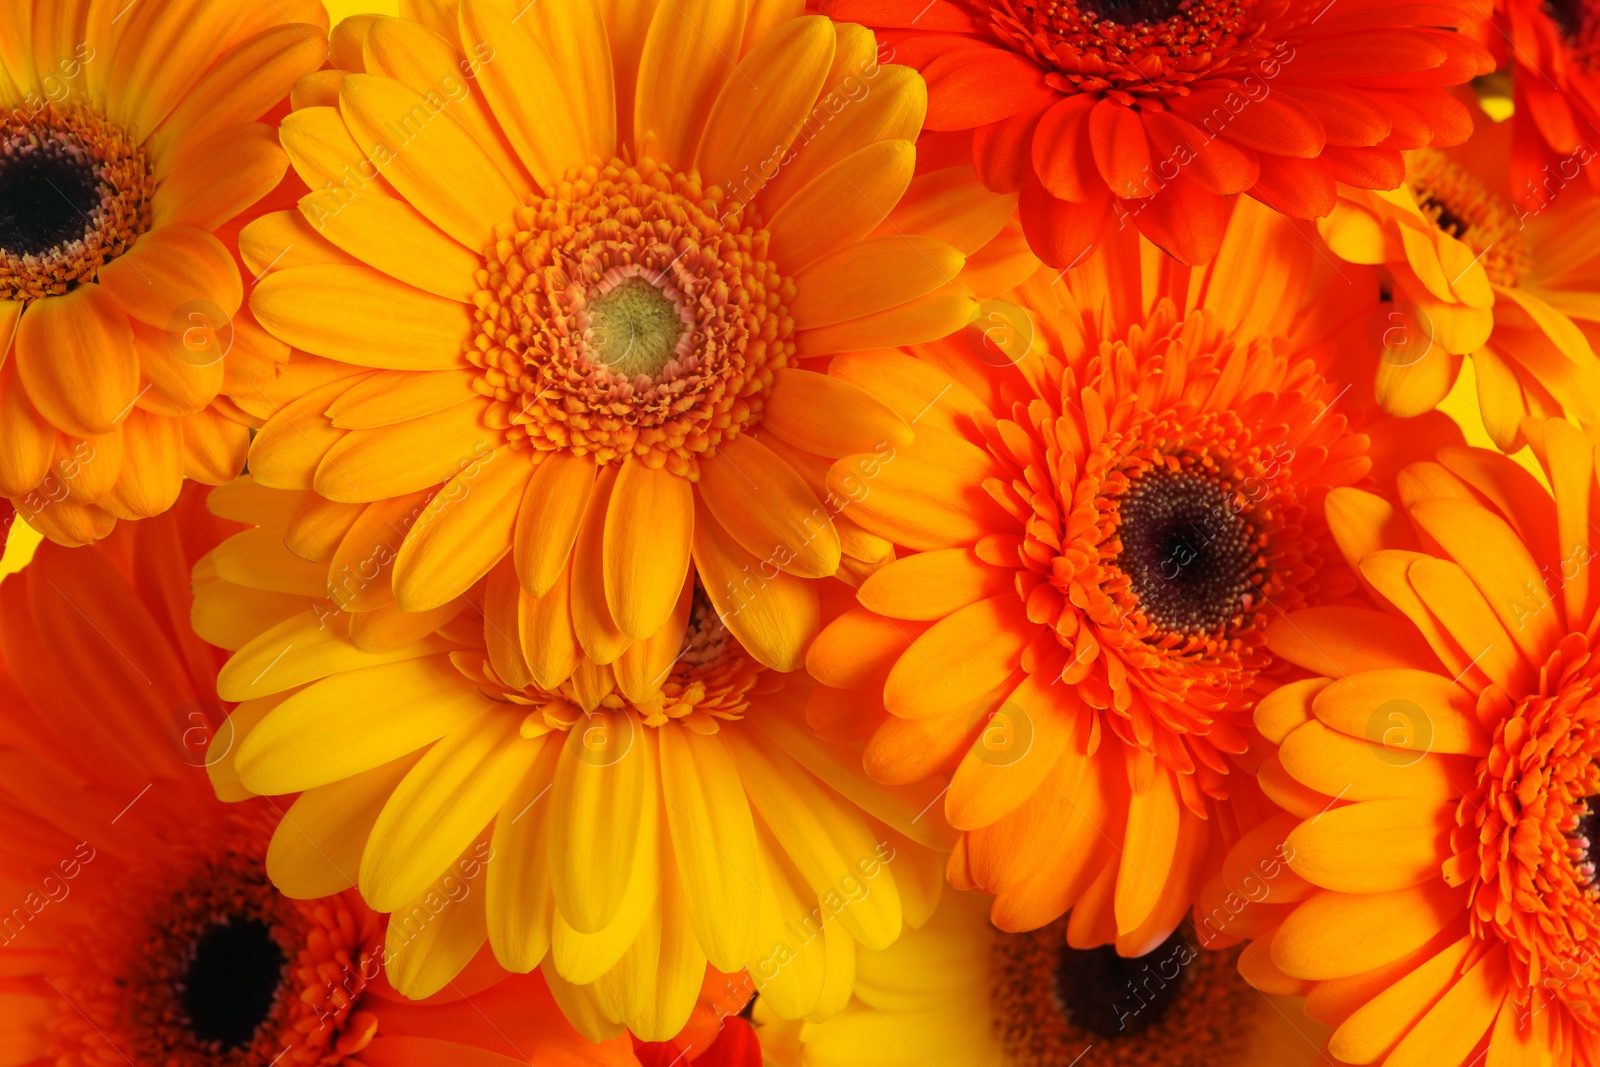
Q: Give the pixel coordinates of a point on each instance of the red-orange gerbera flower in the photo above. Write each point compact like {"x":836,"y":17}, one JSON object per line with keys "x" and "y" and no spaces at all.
{"x":139,"y":923}
{"x":1552,"y":48}
{"x":1156,"y":110}
{"x":1440,"y":774}
{"x":1092,"y":540}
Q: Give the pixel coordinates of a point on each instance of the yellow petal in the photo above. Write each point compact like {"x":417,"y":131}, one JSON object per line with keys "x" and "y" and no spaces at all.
{"x":431,"y":939}
{"x":463,"y":532}
{"x":756,"y":116}
{"x":605,"y":790}
{"x":519,"y":901}
{"x":395,"y":708}
{"x":714,"y":840}
{"x":681,"y":72}
{"x":825,"y":839}
{"x":443,"y":804}
{"x":844,"y":203}
{"x":768,"y":509}
{"x":394,"y":237}
{"x":547,"y":524}
{"x":316,"y":850}
{"x":857,"y":422}
{"x":871,"y":277}
{"x":429,"y":158}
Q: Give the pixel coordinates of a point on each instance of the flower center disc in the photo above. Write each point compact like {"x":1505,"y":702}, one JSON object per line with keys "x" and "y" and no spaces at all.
{"x":1131,"y":12}
{"x":630,"y":310}
{"x":635,"y":329}
{"x":1187,"y":550}
{"x":75,"y":192}
{"x":1094,"y":988}
{"x":45,"y":199}
{"x":232,"y":982}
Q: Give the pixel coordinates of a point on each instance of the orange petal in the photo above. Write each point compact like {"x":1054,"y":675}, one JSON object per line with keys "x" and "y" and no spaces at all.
{"x":648,"y":529}
{"x":75,"y":357}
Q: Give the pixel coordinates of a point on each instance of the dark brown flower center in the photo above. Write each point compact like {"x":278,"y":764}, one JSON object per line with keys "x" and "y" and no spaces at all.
{"x":45,"y":199}
{"x":1188,"y":551}
{"x":232,"y":981}
{"x":1112,"y":996}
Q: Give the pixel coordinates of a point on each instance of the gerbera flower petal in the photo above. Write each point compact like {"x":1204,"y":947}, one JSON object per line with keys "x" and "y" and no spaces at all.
{"x":75,"y":358}
{"x":790,"y":529}
{"x":519,"y":902}
{"x":547,"y":527}
{"x":461,"y":533}
{"x":757,"y":116}
{"x":714,"y":837}
{"x":681,"y":74}
{"x":441,"y":806}
{"x":859,"y":191}
{"x":312,"y":306}
{"x":284,"y":749}
{"x":460,"y":203}
{"x":652,"y":524}
{"x":397,"y":239}
{"x":612,"y":824}
{"x":169,"y":268}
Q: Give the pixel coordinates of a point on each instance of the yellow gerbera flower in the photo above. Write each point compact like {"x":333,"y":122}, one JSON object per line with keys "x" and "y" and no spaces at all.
{"x":1473,"y":273}
{"x":635,"y":823}
{"x":1440,"y":904}
{"x":573,"y":262}
{"x":1095,"y":526}
{"x":958,"y":993}
{"x":128,"y":143}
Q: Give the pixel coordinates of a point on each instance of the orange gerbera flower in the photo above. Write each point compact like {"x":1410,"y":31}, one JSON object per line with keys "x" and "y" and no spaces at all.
{"x":1094,"y":540}
{"x":1473,"y":273}
{"x":1156,"y":111}
{"x":1441,"y":905}
{"x":128,"y":144}
{"x":556,"y":272}
{"x":139,"y":924}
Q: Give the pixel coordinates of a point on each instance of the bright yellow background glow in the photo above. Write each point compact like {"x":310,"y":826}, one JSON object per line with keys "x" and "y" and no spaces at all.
{"x":340,"y":8}
{"x":1461,"y":405}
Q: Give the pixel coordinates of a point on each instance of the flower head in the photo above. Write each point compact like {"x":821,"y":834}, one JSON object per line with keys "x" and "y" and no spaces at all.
{"x":1474,"y":273}
{"x":1096,"y":527}
{"x":635,"y":821}
{"x":1153,"y":112}
{"x":128,"y":148}
{"x":577,"y":328}
{"x":1438,"y":772}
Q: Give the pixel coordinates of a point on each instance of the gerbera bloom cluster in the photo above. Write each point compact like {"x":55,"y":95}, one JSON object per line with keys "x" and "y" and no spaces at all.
{"x":755,"y":533}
